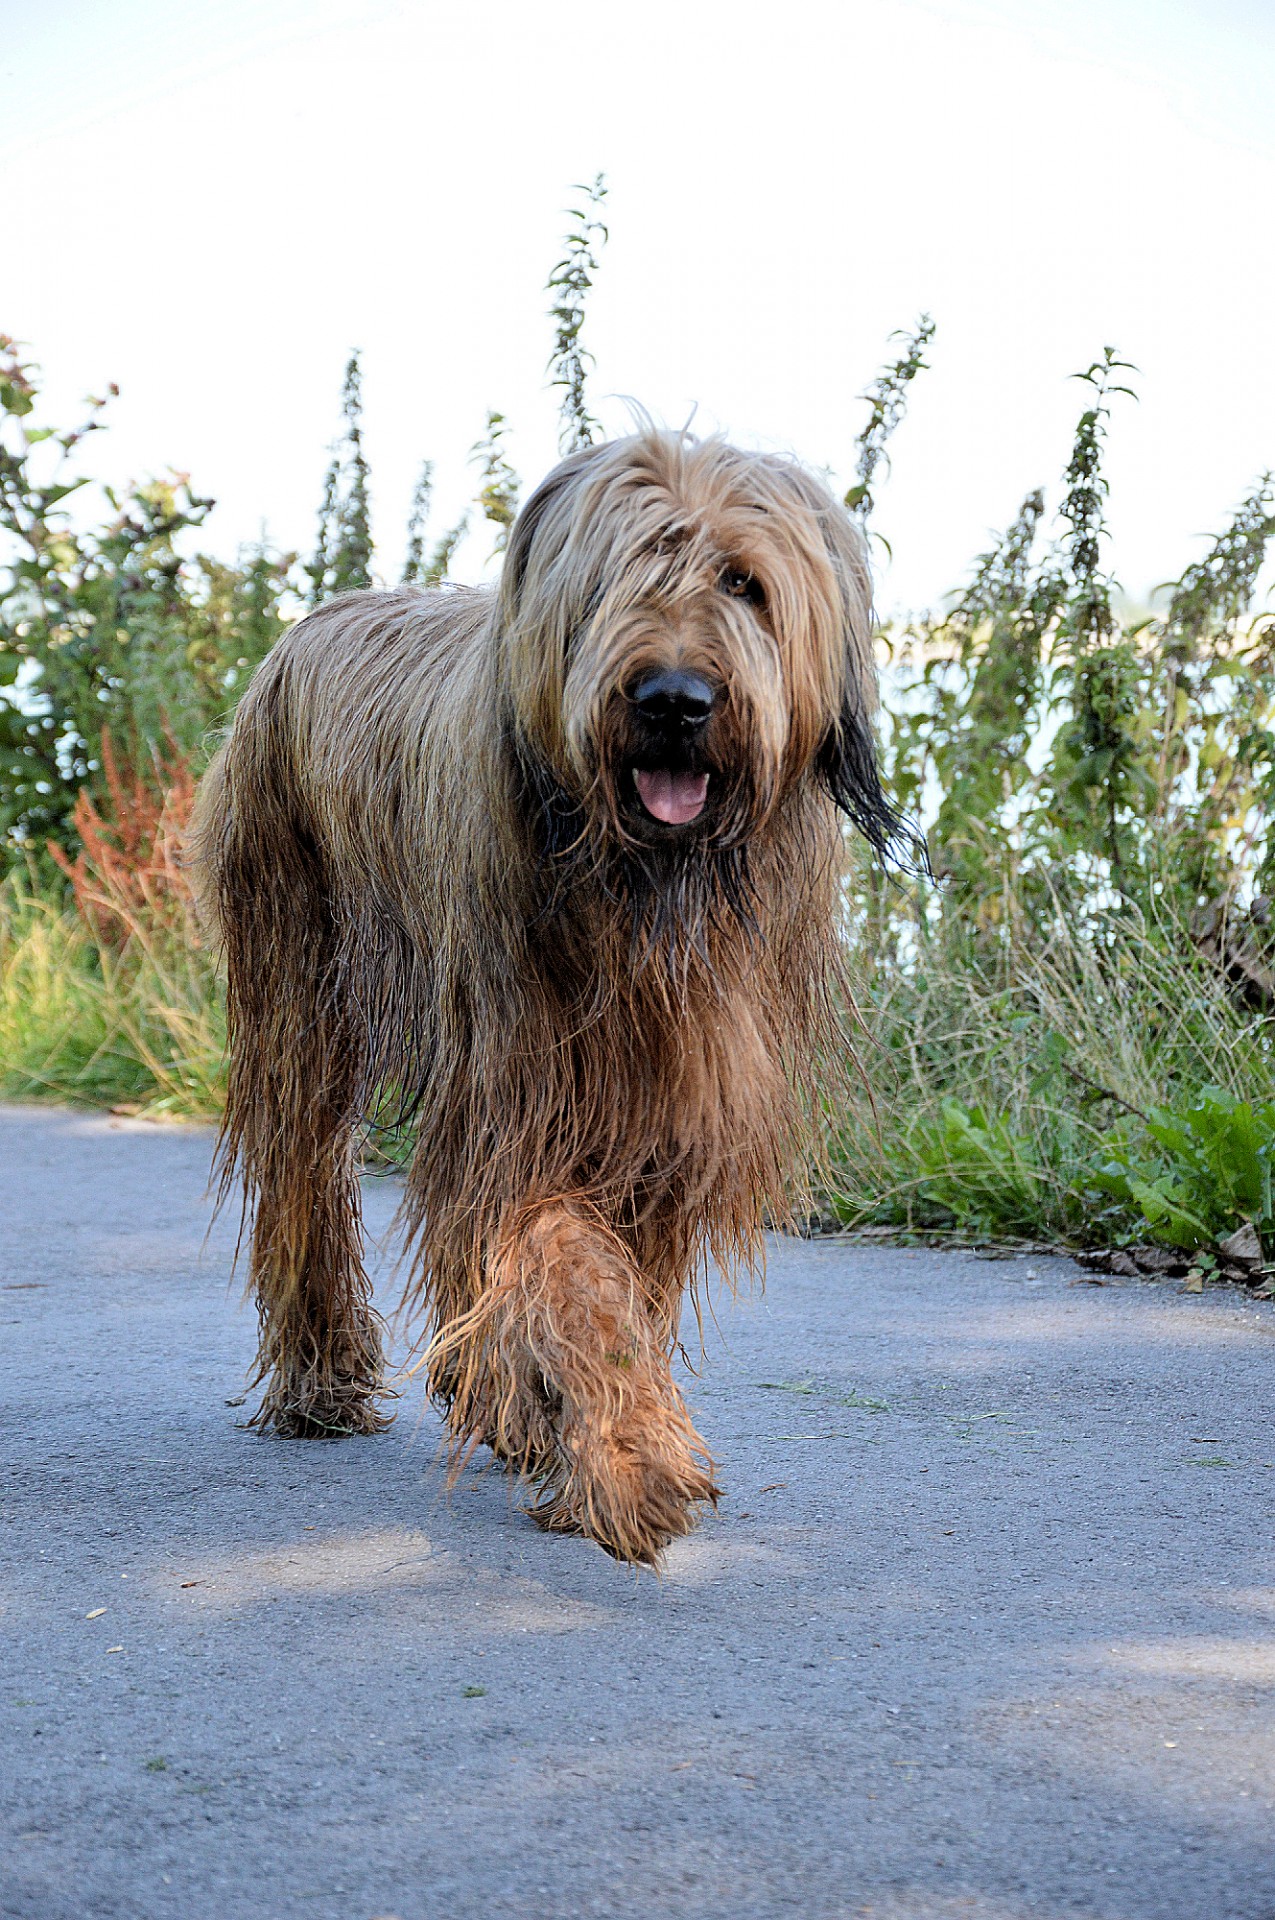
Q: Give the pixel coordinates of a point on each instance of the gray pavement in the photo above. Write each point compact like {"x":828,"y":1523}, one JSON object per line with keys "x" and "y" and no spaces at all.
{"x":984,"y":1627}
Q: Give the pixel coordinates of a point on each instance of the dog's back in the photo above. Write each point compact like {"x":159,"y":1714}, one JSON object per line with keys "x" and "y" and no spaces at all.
{"x":346,"y":723}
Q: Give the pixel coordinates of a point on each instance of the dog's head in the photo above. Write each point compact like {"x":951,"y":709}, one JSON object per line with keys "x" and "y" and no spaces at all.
{"x":688,"y":638}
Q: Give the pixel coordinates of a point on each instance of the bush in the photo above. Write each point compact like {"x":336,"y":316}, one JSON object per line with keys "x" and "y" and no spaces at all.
{"x":1071,"y":1033}
{"x":998,"y":1082}
{"x":1066,"y":1028}
{"x":136,"y":1023}
{"x":1192,"y":1176}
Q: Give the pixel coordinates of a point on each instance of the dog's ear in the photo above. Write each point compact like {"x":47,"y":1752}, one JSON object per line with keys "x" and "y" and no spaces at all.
{"x":542,"y":603}
{"x":847,"y":765}
{"x":847,"y":761}
{"x":549,"y":510}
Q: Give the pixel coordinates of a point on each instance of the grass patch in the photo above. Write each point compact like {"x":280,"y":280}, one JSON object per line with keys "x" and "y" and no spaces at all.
{"x":137,"y":1020}
{"x":1095,"y":1088}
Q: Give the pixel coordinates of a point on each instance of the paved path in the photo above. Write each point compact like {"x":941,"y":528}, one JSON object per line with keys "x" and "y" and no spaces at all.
{"x":984,"y":1628}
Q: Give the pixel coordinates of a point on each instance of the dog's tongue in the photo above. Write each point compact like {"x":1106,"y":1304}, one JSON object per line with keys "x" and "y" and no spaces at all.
{"x":674,"y":798}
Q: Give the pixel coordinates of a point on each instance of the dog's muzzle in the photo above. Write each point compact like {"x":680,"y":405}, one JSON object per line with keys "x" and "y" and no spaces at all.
{"x":672,"y":708}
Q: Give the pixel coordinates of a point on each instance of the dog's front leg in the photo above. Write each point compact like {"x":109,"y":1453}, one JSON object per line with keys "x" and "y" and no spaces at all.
{"x":562,"y":1367}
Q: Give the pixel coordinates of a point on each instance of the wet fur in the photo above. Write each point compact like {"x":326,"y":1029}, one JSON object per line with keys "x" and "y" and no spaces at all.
{"x":420,"y":851}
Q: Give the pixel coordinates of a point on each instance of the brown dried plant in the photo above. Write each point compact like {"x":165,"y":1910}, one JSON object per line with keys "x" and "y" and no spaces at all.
{"x":128,"y":874}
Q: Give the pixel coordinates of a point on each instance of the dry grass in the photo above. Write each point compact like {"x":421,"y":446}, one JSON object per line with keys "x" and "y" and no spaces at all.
{"x":138,"y":1024}
{"x":108,"y":999}
{"x":1001,"y":1073}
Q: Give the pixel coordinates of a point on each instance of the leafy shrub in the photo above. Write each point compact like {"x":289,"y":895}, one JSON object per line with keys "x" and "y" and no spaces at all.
{"x":111,"y":626}
{"x":1070,"y":1034}
{"x":1196,"y":1175}
{"x":978,"y":1172}
{"x":116,"y":627}
{"x":1065,"y":1034}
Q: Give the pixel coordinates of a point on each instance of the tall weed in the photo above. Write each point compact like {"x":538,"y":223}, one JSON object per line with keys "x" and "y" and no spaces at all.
{"x":1068,"y":1034}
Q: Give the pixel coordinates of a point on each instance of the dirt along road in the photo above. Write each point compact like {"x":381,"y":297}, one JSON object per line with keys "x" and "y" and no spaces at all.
{"x":984,"y":1627}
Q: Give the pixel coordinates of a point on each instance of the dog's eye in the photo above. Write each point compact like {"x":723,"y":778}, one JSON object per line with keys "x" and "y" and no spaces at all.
{"x":741,"y":585}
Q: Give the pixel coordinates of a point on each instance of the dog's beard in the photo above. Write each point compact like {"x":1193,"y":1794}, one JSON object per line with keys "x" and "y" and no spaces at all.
{"x":679,"y":895}
{"x":677,"y":891}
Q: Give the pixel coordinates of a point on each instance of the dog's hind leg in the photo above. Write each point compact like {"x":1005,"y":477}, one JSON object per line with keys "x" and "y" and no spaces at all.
{"x":297,"y":1066}
{"x":562,"y":1369}
{"x":320,"y":1355}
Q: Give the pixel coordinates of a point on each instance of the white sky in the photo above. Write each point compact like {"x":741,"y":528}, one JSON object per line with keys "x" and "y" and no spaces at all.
{"x":211,"y":202}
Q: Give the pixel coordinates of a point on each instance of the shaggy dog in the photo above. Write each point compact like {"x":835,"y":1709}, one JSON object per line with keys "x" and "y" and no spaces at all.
{"x":556,"y":868}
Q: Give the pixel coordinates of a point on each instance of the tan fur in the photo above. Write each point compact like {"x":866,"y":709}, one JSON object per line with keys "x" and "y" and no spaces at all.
{"x":422,"y":855}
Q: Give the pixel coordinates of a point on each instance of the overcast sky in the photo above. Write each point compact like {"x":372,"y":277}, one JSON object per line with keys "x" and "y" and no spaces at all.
{"x":212,"y":202}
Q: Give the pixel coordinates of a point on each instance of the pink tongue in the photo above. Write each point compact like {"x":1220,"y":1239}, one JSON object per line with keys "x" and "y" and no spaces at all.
{"x":674,"y":798}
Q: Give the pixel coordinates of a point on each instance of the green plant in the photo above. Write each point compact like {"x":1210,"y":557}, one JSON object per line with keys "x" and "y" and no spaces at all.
{"x":998,"y":1074}
{"x":136,"y":1023}
{"x":887,"y":399}
{"x":414,"y":562}
{"x":111,"y":622}
{"x":498,"y":494}
{"x":1195,"y":1174}
{"x":342,"y":557}
{"x":569,"y":283}
{"x":973,"y":1167}
{"x":107,"y":625}
{"x":1065,"y":760}
{"x":438,"y":566}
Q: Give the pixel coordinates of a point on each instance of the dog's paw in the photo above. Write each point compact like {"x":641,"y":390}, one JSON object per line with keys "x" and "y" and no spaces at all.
{"x":328,"y":1416}
{"x":632,"y":1499}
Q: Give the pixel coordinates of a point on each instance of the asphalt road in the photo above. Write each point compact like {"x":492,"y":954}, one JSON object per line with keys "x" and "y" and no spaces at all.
{"x":984,"y":1627}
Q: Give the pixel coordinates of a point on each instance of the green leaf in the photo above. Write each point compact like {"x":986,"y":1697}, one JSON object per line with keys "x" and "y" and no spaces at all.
{"x":51,"y":495}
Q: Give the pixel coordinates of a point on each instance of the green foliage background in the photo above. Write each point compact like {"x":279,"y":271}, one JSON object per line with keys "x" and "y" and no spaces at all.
{"x":1066,"y":1030}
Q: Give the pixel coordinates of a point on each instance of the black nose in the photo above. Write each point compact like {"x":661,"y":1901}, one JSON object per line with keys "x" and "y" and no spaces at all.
{"x":672,"y":698}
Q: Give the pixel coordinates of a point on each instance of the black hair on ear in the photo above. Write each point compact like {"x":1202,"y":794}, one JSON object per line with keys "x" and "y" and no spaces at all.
{"x":848,"y":767}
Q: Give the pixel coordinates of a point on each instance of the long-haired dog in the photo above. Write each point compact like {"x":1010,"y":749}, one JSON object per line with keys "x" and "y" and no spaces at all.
{"x":558,"y":865}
